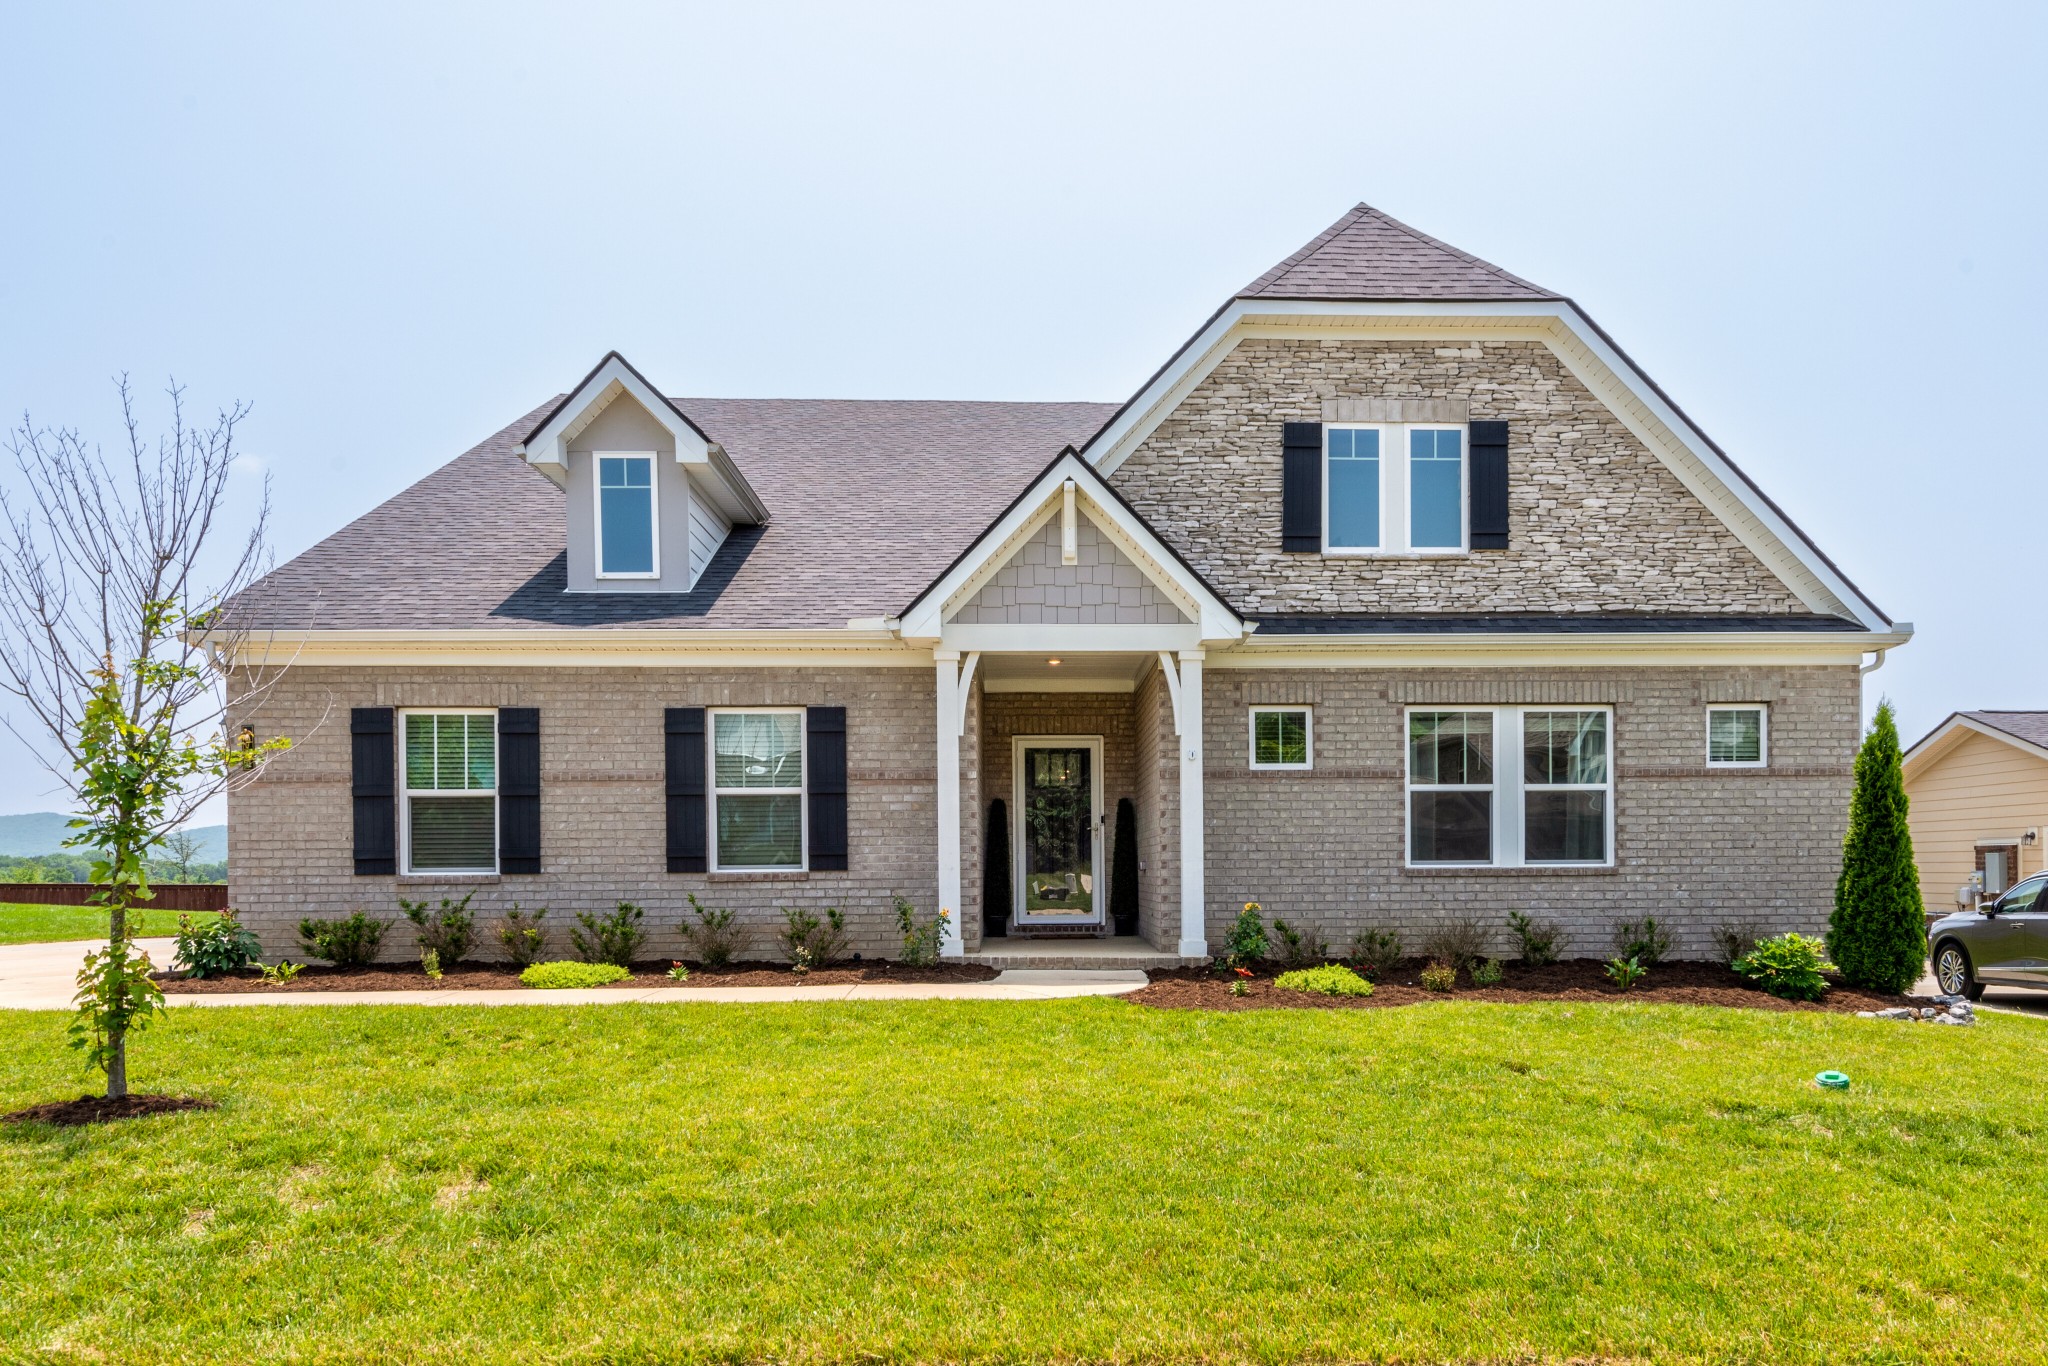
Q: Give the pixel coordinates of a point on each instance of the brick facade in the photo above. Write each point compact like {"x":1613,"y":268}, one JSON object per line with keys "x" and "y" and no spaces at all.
{"x":1597,"y":522}
{"x":602,"y":806}
{"x":1694,"y":846}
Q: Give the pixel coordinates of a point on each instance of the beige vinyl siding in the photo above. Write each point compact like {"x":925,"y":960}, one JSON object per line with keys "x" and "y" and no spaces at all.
{"x":1982,"y":790}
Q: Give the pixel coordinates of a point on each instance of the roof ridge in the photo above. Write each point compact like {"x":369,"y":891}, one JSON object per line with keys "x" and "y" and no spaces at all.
{"x":1459,"y":252}
{"x":1336,"y":235}
{"x":1309,"y":248}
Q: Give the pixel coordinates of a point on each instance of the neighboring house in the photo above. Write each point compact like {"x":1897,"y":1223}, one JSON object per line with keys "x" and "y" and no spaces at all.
{"x":1398,"y":594}
{"x":1978,"y":784}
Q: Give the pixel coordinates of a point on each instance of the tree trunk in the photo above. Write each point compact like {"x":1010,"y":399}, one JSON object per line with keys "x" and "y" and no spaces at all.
{"x":117,"y":942}
{"x":117,"y":1064}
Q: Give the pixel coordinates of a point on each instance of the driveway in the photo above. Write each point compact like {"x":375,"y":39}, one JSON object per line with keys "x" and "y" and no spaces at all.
{"x":40,"y":977}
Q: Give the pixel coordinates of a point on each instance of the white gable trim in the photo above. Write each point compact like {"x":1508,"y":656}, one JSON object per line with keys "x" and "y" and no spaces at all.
{"x":925,"y":619}
{"x":711,"y":472}
{"x":1953,"y":732}
{"x":1583,"y":349}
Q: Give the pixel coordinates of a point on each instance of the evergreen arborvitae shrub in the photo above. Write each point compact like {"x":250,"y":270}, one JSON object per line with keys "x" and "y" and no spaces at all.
{"x":1877,"y":935}
{"x":1123,"y":870}
{"x":995,"y":873}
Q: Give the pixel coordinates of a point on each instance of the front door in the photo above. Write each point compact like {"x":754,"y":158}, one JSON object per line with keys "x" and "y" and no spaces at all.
{"x":1058,"y":805}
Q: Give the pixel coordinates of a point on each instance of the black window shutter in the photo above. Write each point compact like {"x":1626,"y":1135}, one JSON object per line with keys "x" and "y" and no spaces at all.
{"x":518,"y":790}
{"x":1301,"y":487}
{"x":826,"y":786}
{"x":373,"y":779}
{"x":1489,"y":485}
{"x":687,"y":832}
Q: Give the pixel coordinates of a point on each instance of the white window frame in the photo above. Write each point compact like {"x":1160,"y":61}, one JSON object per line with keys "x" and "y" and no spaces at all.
{"x":801,"y":791}
{"x":406,"y":793}
{"x":1395,"y":491}
{"x":1508,"y":787}
{"x":653,"y":459}
{"x":1308,"y":731}
{"x":1763,"y":735}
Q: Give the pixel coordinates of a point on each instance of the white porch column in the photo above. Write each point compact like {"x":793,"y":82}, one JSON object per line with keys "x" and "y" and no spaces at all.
{"x":1194,"y":936}
{"x":952,"y":944}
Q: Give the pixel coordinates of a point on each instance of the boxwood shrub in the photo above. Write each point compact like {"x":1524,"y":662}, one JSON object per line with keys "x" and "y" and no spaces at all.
{"x":553,"y":976}
{"x":1330,"y":980}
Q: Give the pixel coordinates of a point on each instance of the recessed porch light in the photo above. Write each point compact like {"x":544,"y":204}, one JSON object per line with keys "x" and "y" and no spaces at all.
{"x":1053,"y":662}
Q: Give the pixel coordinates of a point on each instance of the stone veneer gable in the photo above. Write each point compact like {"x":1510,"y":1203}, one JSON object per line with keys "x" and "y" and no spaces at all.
{"x":1597,"y":523}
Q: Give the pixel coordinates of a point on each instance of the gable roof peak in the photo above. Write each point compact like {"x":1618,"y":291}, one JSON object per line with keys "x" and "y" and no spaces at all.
{"x":1370,"y":255}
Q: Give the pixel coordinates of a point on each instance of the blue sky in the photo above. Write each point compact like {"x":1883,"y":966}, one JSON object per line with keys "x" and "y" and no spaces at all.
{"x":393,"y":229}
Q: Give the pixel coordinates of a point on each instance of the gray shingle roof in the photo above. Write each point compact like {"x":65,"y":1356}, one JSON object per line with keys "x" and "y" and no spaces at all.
{"x":2031,"y":726}
{"x":1367,"y":255}
{"x":867,"y":501}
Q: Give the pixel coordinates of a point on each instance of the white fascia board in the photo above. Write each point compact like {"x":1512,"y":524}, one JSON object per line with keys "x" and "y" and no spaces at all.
{"x":550,"y":445}
{"x":1424,"y":649}
{"x":1592,"y":359}
{"x":1952,"y":732}
{"x":926,"y":619}
{"x":583,"y":646}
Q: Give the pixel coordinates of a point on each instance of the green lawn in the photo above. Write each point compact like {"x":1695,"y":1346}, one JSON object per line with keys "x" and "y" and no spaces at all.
{"x":20,"y":924}
{"x":1069,"y":1180}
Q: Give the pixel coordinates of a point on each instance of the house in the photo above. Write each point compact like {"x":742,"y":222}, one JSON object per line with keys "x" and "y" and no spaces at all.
{"x":1397,"y":595}
{"x":1978,"y":789}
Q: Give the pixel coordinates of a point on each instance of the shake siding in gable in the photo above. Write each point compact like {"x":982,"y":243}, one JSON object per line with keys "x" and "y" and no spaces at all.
{"x":1982,"y":790}
{"x":1597,"y":522}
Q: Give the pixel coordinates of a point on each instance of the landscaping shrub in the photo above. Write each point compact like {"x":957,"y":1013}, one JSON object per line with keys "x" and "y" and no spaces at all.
{"x":1877,"y":933}
{"x":1458,"y":943}
{"x":1299,"y":948}
{"x":1487,"y":974}
{"x":1439,"y":977}
{"x":717,"y":936}
{"x":430,"y":963}
{"x":446,"y":932}
{"x":1246,"y":943}
{"x":1626,"y":972}
{"x":522,"y":936}
{"x":347,"y":942}
{"x":214,"y":950}
{"x":1536,"y":938}
{"x":615,"y":938}
{"x":1735,"y":938}
{"x":813,"y":942}
{"x":560,"y":974}
{"x":1328,"y":980}
{"x":280,"y":973}
{"x":921,"y":937}
{"x":1375,"y":952}
{"x":1789,"y":966}
{"x":1645,"y":941}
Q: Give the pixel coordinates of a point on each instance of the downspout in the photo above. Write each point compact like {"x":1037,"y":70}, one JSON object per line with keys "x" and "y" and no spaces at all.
{"x":1874,"y":665}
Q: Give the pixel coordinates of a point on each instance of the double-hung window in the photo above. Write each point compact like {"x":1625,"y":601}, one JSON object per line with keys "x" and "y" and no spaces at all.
{"x":450,"y":808}
{"x":757,"y":776}
{"x":1737,"y":737}
{"x":627,"y":529}
{"x":1395,"y":489}
{"x":1281,"y":737}
{"x":1510,"y":786}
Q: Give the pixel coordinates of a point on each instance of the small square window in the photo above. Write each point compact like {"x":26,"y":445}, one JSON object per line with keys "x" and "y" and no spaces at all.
{"x":1737,"y":737}
{"x":1281,"y":737}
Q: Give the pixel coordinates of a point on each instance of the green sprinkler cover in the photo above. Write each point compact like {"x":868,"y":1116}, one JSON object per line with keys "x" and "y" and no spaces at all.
{"x":1838,"y":1081}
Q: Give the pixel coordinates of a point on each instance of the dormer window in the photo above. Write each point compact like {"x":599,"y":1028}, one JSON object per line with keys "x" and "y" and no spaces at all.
{"x":626,"y":515}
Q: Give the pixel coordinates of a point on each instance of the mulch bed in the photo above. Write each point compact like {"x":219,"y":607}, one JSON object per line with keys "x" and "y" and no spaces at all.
{"x":501,"y":976}
{"x":100,"y":1110}
{"x":1578,"y":979}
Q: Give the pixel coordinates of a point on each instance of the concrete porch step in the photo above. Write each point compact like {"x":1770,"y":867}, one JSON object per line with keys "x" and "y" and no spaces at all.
{"x":1127,"y":953}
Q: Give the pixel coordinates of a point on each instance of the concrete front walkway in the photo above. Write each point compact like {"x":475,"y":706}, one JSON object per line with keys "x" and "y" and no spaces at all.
{"x":39,"y":977}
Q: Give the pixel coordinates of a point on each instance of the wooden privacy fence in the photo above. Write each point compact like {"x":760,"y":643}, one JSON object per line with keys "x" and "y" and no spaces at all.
{"x":170,"y":896}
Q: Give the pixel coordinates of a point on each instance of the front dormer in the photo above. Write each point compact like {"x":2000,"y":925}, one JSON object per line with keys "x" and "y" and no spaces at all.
{"x":650,"y":496}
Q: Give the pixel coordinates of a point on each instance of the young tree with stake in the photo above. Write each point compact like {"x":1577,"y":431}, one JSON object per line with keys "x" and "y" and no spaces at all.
{"x":120,"y":662}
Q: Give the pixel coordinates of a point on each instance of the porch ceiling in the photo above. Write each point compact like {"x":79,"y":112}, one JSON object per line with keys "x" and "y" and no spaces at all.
{"x":1087,"y":671}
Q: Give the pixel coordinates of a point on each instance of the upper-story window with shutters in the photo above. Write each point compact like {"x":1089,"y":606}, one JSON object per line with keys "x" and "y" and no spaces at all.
{"x":1394,"y":489}
{"x":627,"y":538}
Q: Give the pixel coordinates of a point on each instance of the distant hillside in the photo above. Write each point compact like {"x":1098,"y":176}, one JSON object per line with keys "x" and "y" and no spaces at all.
{"x":44,"y":832}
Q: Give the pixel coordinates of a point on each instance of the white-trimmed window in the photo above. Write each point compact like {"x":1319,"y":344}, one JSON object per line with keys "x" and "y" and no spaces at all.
{"x":757,"y":790}
{"x":1552,"y":805}
{"x":628,"y":521}
{"x":449,"y":813}
{"x":1738,"y":737}
{"x":1282,"y":737}
{"x":1396,"y":488}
